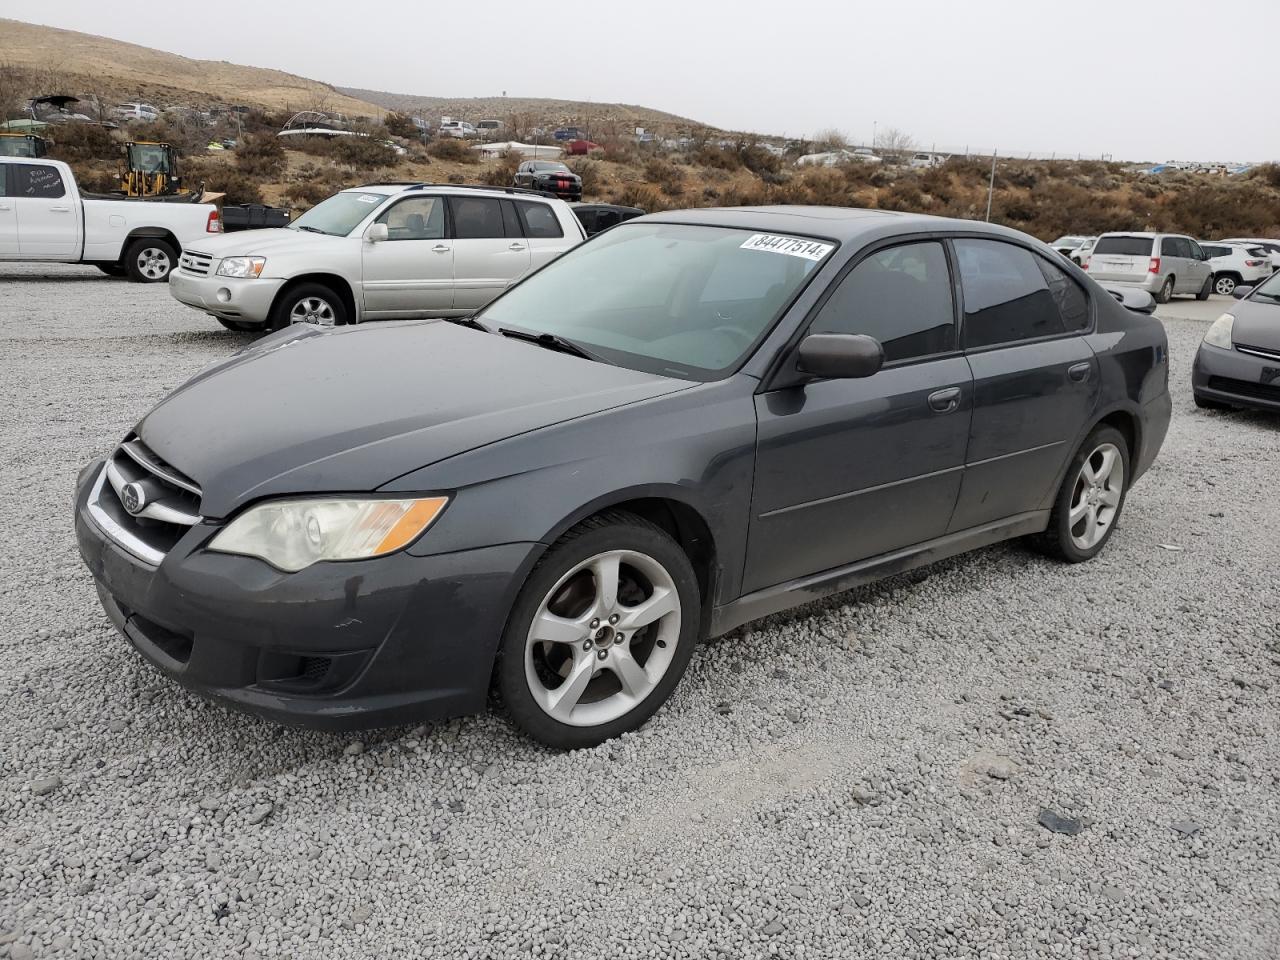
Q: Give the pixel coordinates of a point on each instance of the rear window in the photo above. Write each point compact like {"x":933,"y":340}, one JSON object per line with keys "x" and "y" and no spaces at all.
{"x":1123,"y":246}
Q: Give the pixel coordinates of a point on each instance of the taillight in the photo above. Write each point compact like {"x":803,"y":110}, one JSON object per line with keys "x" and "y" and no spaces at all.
{"x":1155,"y":265}
{"x":1084,"y":264}
{"x":1255,"y":263}
{"x":213,"y":224}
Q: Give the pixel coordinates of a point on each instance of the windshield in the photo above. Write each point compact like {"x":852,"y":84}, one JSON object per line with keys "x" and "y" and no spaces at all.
{"x":676,"y":299}
{"x":340,"y":214}
{"x":1269,"y":290}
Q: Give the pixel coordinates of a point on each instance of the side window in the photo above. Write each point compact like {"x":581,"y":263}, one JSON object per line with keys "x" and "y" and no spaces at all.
{"x":1196,"y":252}
{"x":418,"y":218}
{"x":1070,"y":298}
{"x":35,"y":180}
{"x":901,"y":296}
{"x":4,"y":180}
{"x":1169,"y":247}
{"x":1006,"y":296}
{"x":510,"y":222}
{"x":539,"y":220}
{"x":476,"y":218}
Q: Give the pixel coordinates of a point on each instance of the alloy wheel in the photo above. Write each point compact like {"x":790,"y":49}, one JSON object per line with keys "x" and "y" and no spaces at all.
{"x":1225,"y":286}
{"x":603,"y":638}
{"x":153,"y":263}
{"x":313,"y":310}
{"x":1095,"y":499}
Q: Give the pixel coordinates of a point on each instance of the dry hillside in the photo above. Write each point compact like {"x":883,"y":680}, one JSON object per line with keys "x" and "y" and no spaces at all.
{"x":128,"y":71}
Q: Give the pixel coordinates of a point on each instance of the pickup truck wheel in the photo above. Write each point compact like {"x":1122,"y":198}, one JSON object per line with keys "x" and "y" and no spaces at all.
{"x":149,"y":260}
{"x":111,"y":269}
{"x":309,"y":303}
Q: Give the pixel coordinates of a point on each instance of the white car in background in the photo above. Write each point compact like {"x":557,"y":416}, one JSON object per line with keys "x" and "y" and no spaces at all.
{"x":382,"y":251}
{"x":1236,"y":265}
{"x":1074,"y":248}
{"x":1271,"y":246}
{"x":458,"y":129}
{"x":922,"y":161}
{"x":144,"y":112}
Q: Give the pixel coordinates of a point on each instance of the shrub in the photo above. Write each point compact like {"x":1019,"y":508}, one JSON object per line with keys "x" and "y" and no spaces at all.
{"x":589,"y":171}
{"x":79,"y":142}
{"x":1268,"y":173}
{"x":260,"y":155}
{"x":640,"y":195}
{"x":502,"y":173}
{"x":716,"y":158}
{"x":665,"y":176}
{"x":363,"y":153}
{"x":400,"y":125}
{"x":239,"y":186}
{"x":454,"y":150}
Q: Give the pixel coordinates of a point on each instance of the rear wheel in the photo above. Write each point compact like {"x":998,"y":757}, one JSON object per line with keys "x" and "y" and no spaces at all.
{"x":1225,"y":284}
{"x":601,"y":633}
{"x":150,"y":260}
{"x":309,"y":303}
{"x":1089,"y":502}
{"x":1205,"y":290}
{"x":1166,"y":292}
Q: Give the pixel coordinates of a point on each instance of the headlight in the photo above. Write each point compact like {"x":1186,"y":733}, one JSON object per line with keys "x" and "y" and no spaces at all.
{"x":293,"y":534}
{"x":1219,"y":332}
{"x":249,"y":267}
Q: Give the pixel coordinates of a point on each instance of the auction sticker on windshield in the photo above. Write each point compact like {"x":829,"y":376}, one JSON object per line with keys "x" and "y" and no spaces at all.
{"x":791,"y":246}
{"x":369,"y":198}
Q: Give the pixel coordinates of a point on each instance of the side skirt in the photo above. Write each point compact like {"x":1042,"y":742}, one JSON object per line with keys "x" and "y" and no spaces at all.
{"x":793,"y":593}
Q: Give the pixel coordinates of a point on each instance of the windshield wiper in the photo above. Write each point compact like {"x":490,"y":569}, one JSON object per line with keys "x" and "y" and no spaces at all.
{"x":471,"y":322}
{"x":312,"y":230}
{"x":552,"y":342}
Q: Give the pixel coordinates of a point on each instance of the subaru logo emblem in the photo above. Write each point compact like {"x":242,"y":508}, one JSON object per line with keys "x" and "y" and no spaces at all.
{"x":133,"y":497}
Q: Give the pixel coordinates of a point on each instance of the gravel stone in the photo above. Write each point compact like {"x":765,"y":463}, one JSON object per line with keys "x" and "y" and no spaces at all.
{"x":475,"y":843}
{"x":45,"y":785}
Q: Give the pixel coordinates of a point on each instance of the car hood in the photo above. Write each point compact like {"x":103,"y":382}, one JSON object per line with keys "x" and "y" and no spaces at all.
{"x":352,"y":408}
{"x":1257,"y":324}
{"x":552,"y":174}
{"x":260,"y":243}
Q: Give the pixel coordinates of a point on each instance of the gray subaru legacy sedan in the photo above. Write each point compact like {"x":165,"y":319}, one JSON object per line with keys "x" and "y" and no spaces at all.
{"x":690,"y":421}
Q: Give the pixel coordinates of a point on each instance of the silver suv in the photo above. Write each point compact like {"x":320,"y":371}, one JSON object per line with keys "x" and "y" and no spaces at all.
{"x":382,"y":251}
{"x":1160,"y":263}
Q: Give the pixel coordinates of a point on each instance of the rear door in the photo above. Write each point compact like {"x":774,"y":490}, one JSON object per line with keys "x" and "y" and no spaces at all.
{"x":410,"y":274}
{"x":1123,"y":257}
{"x":542,"y":229}
{"x":1175,"y":259}
{"x":48,"y":227}
{"x":485,"y":258}
{"x":8,"y":218}
{"x":1035,"y":379}
{"x":1199,"y":266}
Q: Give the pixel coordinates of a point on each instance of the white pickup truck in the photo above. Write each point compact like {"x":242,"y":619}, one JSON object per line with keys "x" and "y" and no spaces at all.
{"x":44,"y":216}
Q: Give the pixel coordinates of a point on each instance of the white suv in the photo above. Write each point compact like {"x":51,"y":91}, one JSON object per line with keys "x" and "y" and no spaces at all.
{"x":382,"y":251}
{"x":1236,"y":264}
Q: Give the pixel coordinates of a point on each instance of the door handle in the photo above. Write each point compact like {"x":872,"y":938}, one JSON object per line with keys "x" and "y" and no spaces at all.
{"x":944,"y":401}
{"x":441,"y":248}
{"x":516,"y":246}
{"x":5,"y":206}
{"x":60,"y":209}
{"x":1079,"y":372}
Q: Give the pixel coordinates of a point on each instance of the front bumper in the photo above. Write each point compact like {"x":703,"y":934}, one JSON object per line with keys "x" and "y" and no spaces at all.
{"x":230,"y":298}
{"x":336,"y":646}
{"x":1236,"y":378}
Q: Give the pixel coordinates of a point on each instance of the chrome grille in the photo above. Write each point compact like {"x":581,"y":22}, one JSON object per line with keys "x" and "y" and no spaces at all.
{"x":142,"y":503}
{"x":197,"y":263}
{"x":1259,"y":351}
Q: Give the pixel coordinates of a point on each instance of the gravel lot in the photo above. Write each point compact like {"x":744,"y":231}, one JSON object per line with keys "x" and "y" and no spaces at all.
{"x":863,"y":778}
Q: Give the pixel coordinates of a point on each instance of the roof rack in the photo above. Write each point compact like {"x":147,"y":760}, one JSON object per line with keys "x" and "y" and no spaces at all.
{"x":482,"y":186}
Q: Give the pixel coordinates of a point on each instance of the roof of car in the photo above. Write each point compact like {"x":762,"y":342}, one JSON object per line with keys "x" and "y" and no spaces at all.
{"x":838,"y":223}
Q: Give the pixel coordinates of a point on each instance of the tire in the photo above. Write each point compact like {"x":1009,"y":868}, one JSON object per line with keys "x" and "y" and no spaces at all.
{"x":1166,"y":292}
{"x":1105,"y":502}
{"x":309,"y":299}
{"x":111,"y":269}
{"x":1206,"y":289}
{"x":1225,"y":284}
{"x":1204,"y":403}
{"x":623,"y":681}
{"x":241,"y":326}
{"x":150,"y":260}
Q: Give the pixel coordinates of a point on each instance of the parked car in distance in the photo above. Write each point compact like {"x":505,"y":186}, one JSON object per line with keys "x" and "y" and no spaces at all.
{"x":143,"y":112}
{"x":44,"y":216}
{"x":596,"y":217}
{"x":1163,"y":264}
{"x":458,"y":129}
{"x":382,"y":251}
{"x":551,"y":176}
{"x":1234,"y":265}
{"x":1074,"y":248}
{"x":568,"y":133}
{"x":1238,"y":362}
{"x":865,"y":155}
{"x":490,"y":126}
{"x":1271,"y":246}
{"x":691,"y":421}
{"x":925,"y":160}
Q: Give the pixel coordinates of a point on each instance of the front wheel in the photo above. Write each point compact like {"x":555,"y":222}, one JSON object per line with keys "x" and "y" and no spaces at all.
{"x":309,"y":303}
{"x":150,"y":260}
{"x":601,"y":633}
{"x":1089,"y":502}
{"x":1166,"y":292}
{"x":1206,"y":288}
{"x":1225,"y":285}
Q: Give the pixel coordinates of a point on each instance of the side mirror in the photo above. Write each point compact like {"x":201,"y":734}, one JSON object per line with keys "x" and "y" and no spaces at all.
{"x":1241,"y":292}
{"x":840,"y":356}
{"x":377,"y":233}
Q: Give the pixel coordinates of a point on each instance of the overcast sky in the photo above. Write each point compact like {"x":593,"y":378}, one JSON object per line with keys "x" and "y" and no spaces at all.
{"x":1138,"y":79}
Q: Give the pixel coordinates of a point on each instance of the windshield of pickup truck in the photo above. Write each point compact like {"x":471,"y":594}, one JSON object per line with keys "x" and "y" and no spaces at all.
{"x":340,"y":214}
{"x":674,"y":299}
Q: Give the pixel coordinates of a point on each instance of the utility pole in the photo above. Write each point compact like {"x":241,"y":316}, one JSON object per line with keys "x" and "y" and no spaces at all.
{"x":991,"y":186}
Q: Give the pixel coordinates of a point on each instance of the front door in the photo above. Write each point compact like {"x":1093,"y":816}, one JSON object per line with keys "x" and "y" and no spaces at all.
{"x":489,"y":252}
{"x":1035,"y":379}
{"x":410,"y":274}
{"x":48,"y":225}
{"x":850,"y":469}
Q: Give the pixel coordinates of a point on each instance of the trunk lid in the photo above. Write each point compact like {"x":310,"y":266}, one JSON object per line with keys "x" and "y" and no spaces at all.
{"x":1121,"y":258}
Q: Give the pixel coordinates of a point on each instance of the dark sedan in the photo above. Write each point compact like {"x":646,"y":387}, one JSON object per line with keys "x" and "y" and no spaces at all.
{"x":550,"y":176}
{"x":1238,"y":363}
{"x":688,"y":422}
